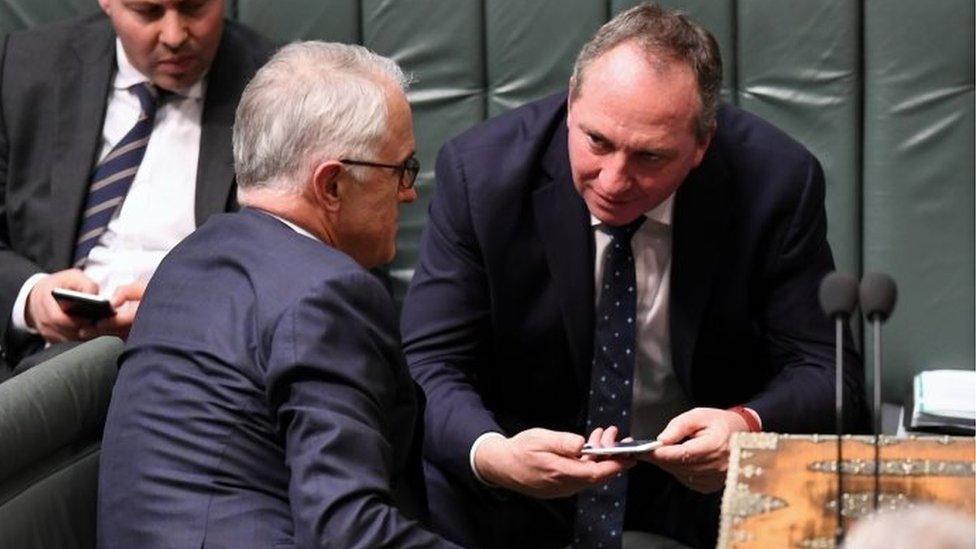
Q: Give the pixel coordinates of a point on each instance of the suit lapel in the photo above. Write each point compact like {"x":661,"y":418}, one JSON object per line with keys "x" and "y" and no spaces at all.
{"x":85,"y":78}
{"x":701,"y":214}
{"x":215,"y":171}
{"x":564,"y":226}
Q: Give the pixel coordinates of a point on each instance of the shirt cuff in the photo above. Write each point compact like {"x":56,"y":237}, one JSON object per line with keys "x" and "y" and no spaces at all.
{"x":474,"y":448}
{"x":18,"y":317}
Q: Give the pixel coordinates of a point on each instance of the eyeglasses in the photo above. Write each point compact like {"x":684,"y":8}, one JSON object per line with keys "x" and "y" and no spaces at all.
{"x":407,"y":171}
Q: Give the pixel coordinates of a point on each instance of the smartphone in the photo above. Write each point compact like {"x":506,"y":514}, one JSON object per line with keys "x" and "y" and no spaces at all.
{"x":623,"y":448}
{"x":83,"y":305}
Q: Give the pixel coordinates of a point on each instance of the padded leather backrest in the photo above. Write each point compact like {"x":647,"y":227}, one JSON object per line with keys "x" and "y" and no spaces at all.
{"x":51,"y":420}
{"x":880,"y":90}
{"x":918,"y":170}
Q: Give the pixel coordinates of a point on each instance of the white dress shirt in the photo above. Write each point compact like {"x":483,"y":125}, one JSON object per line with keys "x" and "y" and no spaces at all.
{"x":657,"y":395}
{"x":158,"y":211}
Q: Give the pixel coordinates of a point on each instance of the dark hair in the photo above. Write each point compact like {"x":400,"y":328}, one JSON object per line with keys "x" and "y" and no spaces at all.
{"x":664,"y":35}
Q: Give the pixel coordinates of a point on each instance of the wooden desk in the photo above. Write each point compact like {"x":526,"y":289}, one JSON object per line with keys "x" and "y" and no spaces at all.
{"x":781,"y":489}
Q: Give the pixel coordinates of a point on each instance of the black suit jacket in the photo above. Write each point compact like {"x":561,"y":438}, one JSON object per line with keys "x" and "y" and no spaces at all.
{"x":498,"y":323}
{"x":54,"y":81}
{"x":262,"y":401}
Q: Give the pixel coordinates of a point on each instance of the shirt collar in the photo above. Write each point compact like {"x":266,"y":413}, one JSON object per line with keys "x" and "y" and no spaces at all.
{"x":128,"y":76}
{"x":662,"y":214}
{"x":293,"y":226}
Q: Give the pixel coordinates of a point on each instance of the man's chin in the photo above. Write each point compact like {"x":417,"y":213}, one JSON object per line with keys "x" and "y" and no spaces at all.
{"x":614,"y":217}
{"x":175,"y":82}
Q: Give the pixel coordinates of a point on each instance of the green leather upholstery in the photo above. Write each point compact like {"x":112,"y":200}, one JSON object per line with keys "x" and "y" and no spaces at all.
{"x":798,"y":68}
{"x":51,"y":420}
{"x":918,"y":179}
{"x":880,"y":90}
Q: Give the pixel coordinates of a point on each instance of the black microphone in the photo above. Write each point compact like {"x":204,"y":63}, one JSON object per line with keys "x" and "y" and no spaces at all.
{"x":878,"y":296}
{"x":879,"y":293}
{"x":838,"y":298}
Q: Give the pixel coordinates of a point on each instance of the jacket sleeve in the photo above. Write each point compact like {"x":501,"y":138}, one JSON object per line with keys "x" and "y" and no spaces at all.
{"x":799,"y":339}
{"x":16,"y":268}
{"x":446,"y":325}
{"x":332,"y":376}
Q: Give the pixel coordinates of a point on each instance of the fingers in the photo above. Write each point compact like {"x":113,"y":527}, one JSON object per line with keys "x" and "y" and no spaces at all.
{"x":44,"y":314}
{"x":682,"y":426}
{"x":697,"y":450}
{"x":128,"y":292}
{"x":589,"y":473}
{"x":594,"y":441}
{"x":75,"y":279}
{"x":118,"y":325}
{"x":563,"y":444}
{"x":545,"y":464}
{"x":609,"y":437}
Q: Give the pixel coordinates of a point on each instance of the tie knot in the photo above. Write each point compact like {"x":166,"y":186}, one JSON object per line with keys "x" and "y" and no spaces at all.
{"x":624,"y":233}
{"x":148,"y":98}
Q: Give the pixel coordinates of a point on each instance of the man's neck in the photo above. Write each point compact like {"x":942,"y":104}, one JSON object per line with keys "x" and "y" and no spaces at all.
{"x":293,"y":209}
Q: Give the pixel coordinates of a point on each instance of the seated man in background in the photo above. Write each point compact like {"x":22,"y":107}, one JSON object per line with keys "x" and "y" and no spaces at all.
{"x":631,"y":255}
{"x":262,"y":398}
{"x":114,"y":145}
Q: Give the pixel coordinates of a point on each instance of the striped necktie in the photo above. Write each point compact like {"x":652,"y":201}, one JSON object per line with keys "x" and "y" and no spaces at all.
{"x":114,"y":174}
{"x":600,"y":510}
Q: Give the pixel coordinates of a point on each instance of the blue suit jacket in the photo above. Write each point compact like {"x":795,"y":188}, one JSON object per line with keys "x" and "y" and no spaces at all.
{"x":262,"y":401}
{"x":498,"y":323}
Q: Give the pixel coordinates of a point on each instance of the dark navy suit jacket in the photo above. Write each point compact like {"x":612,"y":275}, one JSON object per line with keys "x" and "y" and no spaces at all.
{"x":498,"y":322}
{"x":262,"y":401}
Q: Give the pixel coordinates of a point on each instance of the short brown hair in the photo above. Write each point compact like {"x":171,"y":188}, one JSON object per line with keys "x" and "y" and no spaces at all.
{"x":663,"y":35}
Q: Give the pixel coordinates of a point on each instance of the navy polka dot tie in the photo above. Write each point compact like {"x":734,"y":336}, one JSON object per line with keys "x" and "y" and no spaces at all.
{"x":600,"y":510}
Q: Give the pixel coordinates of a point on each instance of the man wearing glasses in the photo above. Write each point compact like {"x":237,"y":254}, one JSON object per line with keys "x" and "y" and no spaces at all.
{"x":262,"y":399}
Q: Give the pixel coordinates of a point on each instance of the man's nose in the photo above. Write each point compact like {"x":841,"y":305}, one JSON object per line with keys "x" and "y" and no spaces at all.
{"x":173,"y":32}
{"x":614,"y":177}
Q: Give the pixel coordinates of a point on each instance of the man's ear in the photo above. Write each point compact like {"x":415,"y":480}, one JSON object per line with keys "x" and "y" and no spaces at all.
{"x":324,"y":185}
{"x":569,"y":102}
{"x":106,"y":6}
{"x":702,"y":145}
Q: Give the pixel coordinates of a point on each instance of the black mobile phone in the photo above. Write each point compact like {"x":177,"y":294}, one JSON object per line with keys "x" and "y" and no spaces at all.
{"x":83,"y":305}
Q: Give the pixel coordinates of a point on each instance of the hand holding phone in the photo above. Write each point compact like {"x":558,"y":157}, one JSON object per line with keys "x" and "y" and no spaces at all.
{"x":629,"y":448}
{"x":82,"y":305}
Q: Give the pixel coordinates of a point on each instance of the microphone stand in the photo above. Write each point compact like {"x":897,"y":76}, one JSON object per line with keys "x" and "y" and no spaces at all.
{"x":839,"y":416}
{"x":878,"y":294}
{"x":838,"y":298}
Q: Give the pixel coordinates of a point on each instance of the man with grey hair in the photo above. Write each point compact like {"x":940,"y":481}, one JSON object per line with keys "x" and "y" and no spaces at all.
{"x":627,"y":259}
{"x":262,"y":399}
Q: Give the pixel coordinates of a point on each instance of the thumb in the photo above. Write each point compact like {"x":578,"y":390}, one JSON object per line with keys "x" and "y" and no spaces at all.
{"x":128,"y":292}
{"x":565,"y":444}
{"x":75,"y":279}
{"x":679,"y":428}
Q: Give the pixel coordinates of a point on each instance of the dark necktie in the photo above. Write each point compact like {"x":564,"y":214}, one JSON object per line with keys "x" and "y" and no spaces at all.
{"x":114,"y":174}
{"x":600,"y":510}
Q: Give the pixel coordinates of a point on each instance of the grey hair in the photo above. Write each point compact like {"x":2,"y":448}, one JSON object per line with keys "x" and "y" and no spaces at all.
{"x":311,"y":101}
{"x":663,"y":35}
{"x":934,"y":526}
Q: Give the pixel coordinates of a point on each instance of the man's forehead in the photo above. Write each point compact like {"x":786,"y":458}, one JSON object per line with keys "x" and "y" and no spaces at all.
{"x":167,"y":3}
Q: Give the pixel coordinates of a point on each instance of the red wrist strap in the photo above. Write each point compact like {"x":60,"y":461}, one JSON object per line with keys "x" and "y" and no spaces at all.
{"x":750,"y":419}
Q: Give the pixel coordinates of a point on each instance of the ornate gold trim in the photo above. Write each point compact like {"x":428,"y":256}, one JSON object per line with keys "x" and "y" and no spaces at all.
{"x":899,"y":467}
{"x":859,"y":504}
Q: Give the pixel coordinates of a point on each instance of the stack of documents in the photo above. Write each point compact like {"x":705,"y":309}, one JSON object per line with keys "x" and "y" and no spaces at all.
{"x":945,"y":401}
